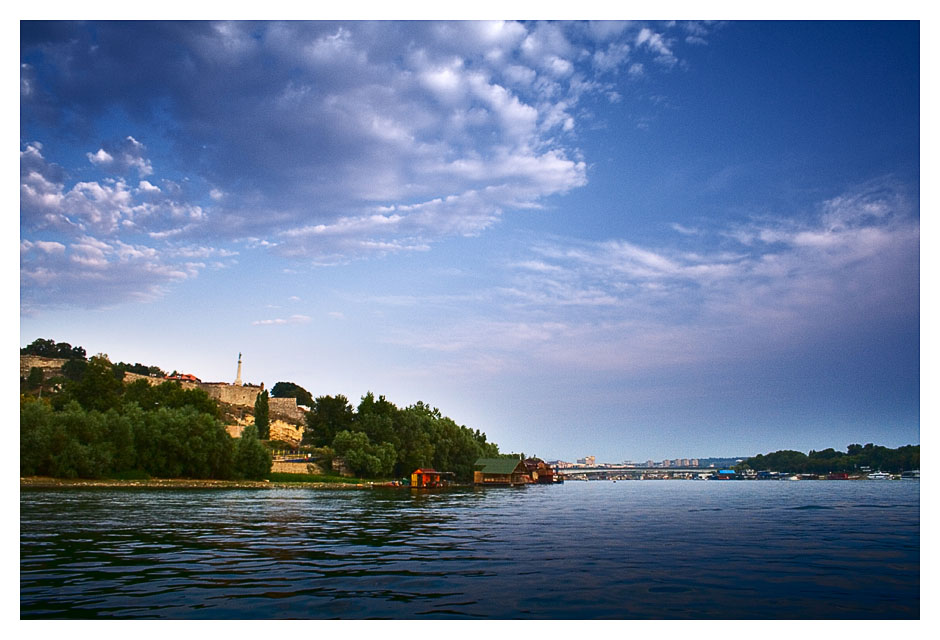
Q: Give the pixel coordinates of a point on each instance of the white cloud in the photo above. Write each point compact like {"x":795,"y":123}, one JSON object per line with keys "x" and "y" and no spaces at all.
{"x":95,"y":273}
{"x":102,"y":157}
{"x":656,"y":43}
{"x":326,"y":142}
{"x":617,"y":305}
{"x":294,"y":319}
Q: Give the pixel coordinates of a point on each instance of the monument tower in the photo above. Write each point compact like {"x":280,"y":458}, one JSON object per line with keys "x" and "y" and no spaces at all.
{"x":238,"y":376}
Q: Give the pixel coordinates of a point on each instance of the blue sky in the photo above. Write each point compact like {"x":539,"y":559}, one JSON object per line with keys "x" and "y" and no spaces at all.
{"x":632,"y":240}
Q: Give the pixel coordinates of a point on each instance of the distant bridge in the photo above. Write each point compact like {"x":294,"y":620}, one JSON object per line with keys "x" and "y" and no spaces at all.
{"x":635,"y":473}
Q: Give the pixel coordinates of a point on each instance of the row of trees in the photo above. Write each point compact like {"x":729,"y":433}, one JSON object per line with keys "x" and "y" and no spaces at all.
{"x":854,"y":458}
{"x":379,"y":439}
{"x":131,"y":442}
{"x":94,"y":425}
{"x":89,"y":423}
{"x":52,"y":349}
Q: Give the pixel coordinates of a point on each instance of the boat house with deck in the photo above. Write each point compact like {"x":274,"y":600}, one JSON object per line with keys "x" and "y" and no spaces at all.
{"x":500,"y":472}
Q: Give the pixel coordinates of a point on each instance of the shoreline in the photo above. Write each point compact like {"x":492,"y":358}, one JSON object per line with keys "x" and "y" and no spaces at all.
{"x":38,"y":482}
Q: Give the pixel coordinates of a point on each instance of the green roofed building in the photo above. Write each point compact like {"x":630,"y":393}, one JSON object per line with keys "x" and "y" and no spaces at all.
{"x":500,"y":471}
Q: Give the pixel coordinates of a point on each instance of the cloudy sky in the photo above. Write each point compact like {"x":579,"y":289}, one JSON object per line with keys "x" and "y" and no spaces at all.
{"x":633,"y":240}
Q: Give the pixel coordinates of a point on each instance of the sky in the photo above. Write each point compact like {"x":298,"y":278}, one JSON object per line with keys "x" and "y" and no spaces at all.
{"x":634,"y":240}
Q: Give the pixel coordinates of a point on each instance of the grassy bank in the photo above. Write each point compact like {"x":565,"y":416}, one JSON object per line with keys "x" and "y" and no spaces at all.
{"x":278,"y":480}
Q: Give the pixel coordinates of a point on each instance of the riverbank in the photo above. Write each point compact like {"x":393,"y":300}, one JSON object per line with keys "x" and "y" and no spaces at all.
{"x":181,"y":483}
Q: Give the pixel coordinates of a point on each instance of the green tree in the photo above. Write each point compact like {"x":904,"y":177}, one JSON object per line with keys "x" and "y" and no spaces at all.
{"x":52,"y":349}
{"x":364,"y":458}
{"x":291,"y":390}
{"x":100,"y":387}
{"x":170,"y":394}
{"x":329,"y":416}
{"x":262,"y":416}
{"x":34,"y":379}
{"x":74,"y":369}
{"x":252,"y":459}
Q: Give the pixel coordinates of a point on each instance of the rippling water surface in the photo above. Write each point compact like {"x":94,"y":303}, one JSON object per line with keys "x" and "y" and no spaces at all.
{"x":641,"y":549}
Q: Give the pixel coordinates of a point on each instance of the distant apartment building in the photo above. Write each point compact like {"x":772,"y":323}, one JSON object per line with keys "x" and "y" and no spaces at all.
{"x":587,"y":461}
{"x":666,"y":463}
{"x":693,"y":462}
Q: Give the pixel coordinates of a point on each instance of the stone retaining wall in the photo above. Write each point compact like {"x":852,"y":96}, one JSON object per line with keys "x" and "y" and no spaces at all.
{"x":50,"y":366}
{"x":280,"y":466}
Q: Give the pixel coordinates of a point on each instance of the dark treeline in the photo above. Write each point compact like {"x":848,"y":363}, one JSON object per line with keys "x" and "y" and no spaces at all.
{"x":52,"y":349}
{"x":855,"y":457}
{"x":89,"y":423}
{"x":92,"y":425}
{"x":380,"y":439}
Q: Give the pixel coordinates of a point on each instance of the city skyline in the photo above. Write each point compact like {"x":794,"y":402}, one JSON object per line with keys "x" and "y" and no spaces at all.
{"x":593,"y":236}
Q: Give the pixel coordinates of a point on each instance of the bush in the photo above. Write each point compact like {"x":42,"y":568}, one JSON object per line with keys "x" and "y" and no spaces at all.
{"x":252,"y":458}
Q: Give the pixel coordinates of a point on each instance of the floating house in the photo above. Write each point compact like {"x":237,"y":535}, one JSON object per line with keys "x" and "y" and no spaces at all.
{"x":500,"y":472}
{"x":421,"y":478}
{"x":540,"y":472}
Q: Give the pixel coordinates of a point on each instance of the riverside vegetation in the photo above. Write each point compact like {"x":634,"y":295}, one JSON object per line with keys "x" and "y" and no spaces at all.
{"x":855,"y":458}
{"x":89,"y":423}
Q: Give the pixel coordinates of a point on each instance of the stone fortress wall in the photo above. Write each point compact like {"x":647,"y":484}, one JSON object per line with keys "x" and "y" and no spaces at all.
{"x":50,"y":366}
{"x":228,"y":393}
{"x":243,"y":396}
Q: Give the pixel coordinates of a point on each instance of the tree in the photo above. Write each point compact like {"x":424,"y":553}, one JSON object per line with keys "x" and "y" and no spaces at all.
{"x":329,"y":416}
{"x":169,"y":394}
{"x":141,"y":369}
{"x":74,"y":369}
{"x":252,"y":459}
{"x":99,"y":388}
{"x":51,"y":349}
{"x":262,"y":416}
{"x":364,"y":458}
{"x":34,"y":379}
{"x":291,"y":390}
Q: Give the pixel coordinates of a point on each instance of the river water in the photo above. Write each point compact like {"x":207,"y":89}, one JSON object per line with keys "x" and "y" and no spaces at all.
{"x":582,"y":550}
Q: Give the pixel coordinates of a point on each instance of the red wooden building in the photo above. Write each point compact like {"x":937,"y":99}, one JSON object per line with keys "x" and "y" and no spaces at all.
{"x":425,"y":478}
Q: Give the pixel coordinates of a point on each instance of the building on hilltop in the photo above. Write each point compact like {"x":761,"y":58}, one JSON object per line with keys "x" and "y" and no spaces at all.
{"x":184,"y":377}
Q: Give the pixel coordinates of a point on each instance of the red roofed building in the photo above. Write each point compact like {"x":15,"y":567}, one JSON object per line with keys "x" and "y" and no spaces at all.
{"x":425,"y":478}
{"x":184,"y":377}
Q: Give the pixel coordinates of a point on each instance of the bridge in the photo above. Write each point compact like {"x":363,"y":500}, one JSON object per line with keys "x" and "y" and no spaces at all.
{"x":635,"y":473}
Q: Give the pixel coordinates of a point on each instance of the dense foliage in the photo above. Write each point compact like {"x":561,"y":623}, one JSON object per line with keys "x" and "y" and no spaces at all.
{"x":263,"y":416}
{"x":96,"y":426}
{"x":378,"y":438}
{"x":856,"y":457}
{"x":52,"y":349}
{"x":88,"y":423}
{"x":141,"y":369}
{"x":291,"y":390}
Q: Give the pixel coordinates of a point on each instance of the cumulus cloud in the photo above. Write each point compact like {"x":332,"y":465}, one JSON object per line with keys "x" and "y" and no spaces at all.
{"x":322,"y":142}
{"x":91,"y":272}
{"x":122,"y":156}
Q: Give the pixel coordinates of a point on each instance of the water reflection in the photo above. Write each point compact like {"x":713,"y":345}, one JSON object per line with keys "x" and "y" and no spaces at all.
{"x":583,"y":550}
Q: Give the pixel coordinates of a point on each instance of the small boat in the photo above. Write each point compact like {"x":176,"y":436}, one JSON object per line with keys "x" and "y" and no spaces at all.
{"x":879,"y":475}
{"x":910,"y":475}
